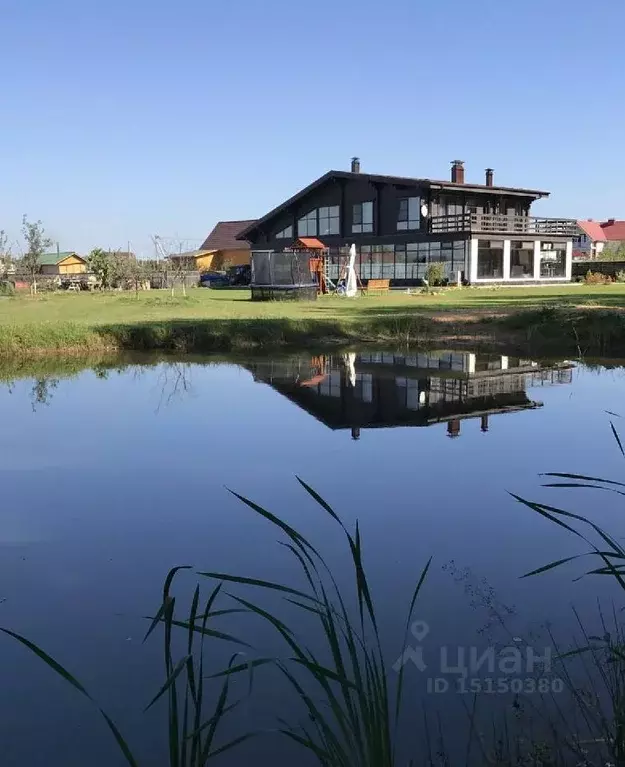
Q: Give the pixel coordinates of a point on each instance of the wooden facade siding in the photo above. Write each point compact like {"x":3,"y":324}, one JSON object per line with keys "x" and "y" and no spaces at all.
{"x":221,"y":258}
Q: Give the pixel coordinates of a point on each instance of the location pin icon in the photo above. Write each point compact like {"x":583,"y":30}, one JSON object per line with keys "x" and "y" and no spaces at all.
{"x":419,"y":630}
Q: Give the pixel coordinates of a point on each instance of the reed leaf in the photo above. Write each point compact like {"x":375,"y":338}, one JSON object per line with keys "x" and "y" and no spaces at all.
{"x":71,"y":679}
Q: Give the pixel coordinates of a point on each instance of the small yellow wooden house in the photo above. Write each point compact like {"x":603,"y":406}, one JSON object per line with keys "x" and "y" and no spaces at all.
{"x":65,"y":262}
{"x":222,"y":249}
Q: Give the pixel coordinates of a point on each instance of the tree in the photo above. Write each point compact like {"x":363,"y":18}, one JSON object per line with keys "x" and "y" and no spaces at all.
{"x":101,"y":264}
{"x":41,"y":393}
{"x":613,"y":251}
{"x":36,"y":245}
{"x":5,"y":253}
{"x":178,"y":273}
{"x":138,"y":273}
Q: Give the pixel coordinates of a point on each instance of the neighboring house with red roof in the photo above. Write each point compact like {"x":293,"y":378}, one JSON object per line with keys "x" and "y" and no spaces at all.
{"x":590,"y":240}
{"x":596,"y":238}
{"x":614,"y":232}
{"x":221,"y":248}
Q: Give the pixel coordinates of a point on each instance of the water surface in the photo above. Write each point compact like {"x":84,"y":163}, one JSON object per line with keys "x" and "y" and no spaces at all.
{"x":111,"y":477}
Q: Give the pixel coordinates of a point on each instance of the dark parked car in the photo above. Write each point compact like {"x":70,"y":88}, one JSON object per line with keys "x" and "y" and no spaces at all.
{"x":214,"y":280}
{"x":240,"y":275}
{"x":234,"y":277}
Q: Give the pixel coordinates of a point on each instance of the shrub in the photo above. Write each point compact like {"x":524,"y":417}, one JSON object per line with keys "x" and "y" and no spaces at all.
{"x":596,"y":278}
{"x":6,"y":288}
{"x":620,"y":276}
{"x":436,"y":275}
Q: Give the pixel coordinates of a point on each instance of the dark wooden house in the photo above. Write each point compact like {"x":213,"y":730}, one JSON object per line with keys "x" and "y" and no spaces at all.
{"x":481,"y":233}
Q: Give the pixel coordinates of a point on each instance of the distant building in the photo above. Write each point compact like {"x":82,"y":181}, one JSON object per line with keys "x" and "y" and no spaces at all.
{"x":64,"y":262}
{"x":614,"y":232}
{"x":590,"y":240}
{"x":222,"y":248}
{"x":595,"y":238}
{"x":190,"y":260}
{"x":7,"y":266}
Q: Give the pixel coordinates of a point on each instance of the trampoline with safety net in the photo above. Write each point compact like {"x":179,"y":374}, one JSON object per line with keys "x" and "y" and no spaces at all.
{"x":282,"y":276}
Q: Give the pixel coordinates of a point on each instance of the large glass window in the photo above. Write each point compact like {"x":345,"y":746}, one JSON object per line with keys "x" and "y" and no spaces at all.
{"x":409,"y":214}
{"x":362,"y":217}
{"x":553,"y":259}
{"x":412,"y":261}
{"x":285,"y":234}
{"x":459,"y":257}
{"x":435,"y":251}
{"x":490,"y":259}
{"x":365,"y":262}
{"x":400,"y":262}
{"x":416,"y":260}
{"x":307,"y":225}
{"x":521,"y":260}
{"x":388,"y":261}
{"x":447,"y":258}
{"x":329,"y":220}
{"x":376,"y":262}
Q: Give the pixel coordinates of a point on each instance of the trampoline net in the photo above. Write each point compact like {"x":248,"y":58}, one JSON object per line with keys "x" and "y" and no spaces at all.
{"x":270,"y":268}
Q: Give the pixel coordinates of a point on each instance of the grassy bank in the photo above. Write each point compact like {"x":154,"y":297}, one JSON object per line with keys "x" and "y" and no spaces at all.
{"x":561,"y":319}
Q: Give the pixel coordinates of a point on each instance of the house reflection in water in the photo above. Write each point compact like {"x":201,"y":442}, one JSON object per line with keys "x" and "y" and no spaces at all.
{"x":363,"y":391}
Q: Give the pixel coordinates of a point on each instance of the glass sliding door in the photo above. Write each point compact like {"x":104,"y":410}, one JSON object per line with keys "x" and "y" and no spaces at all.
{"x":521,"y":260}
{"x":490,"y":259}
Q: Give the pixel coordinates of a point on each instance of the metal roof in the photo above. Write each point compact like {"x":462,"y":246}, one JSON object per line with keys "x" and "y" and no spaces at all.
{"x":52,"y":259}
{"x":399,"y":180}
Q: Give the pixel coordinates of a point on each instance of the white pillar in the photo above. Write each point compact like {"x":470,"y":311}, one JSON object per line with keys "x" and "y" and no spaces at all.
{"x":569,"y":260}
{"x":472,"y":260}
{"x":506,"y":259}
{"x":471,"y":363}
{"x":537,"y":260}
{"x":504,"y":363}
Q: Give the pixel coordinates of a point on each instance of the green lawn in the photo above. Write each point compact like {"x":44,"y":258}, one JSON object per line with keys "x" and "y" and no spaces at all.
{"x":107,"y":308}
{"x":211,"y":319}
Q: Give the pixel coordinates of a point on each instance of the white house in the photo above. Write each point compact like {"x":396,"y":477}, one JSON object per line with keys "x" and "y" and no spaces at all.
{"x":590,"y":240}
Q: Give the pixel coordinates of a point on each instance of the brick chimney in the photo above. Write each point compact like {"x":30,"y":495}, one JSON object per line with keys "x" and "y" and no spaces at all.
{"x":355,"y":164}
{"x":489,"y":176}
{"x":457,"y":172}
{"x":453,"y":426}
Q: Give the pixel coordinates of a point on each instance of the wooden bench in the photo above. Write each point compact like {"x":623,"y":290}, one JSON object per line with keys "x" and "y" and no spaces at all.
{"x":382,"y":286}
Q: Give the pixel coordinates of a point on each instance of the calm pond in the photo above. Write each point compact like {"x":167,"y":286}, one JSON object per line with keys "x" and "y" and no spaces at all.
{"x":114,"y":475}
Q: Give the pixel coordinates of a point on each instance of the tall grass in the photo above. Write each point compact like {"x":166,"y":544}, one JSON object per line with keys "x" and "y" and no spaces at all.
{"x":600,"y":701}
{"x":352,"y":714}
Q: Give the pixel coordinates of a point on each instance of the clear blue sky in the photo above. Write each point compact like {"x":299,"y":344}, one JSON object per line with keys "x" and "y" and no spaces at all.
{"x":124,"y":119}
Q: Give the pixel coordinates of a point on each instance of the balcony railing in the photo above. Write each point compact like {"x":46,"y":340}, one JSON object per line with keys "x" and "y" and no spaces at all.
{"x":499,"y":223}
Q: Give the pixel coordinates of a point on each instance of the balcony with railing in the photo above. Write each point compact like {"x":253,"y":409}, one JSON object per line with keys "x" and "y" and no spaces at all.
{"x":496,"y":223}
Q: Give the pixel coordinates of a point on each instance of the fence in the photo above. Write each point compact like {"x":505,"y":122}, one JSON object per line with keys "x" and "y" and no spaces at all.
{"x":158,"y":279}
{"x":609,"y":268}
